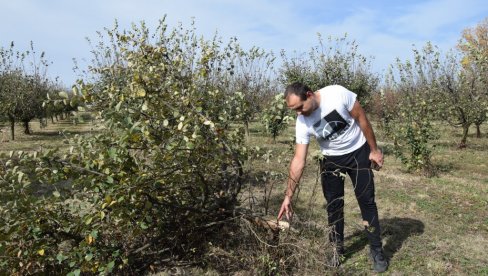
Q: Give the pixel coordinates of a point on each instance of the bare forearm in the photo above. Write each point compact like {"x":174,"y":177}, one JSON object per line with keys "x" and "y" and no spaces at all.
{"x":294,"y":175}
{"x":368,"y":132}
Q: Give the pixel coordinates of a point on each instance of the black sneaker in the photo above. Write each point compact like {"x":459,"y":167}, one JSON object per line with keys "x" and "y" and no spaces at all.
{"x":380,"y":264}
{"x":337,"y":256}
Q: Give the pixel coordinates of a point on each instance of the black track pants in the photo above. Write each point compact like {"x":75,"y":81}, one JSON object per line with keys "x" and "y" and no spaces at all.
{"x":357,"y":165}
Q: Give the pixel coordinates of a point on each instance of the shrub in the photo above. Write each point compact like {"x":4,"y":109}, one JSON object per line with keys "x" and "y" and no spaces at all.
{"x":161,"y":175}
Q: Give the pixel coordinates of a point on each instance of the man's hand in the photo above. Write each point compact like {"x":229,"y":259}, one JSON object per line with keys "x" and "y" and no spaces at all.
{"x":286,"y":208}
{"x":376,"y":158}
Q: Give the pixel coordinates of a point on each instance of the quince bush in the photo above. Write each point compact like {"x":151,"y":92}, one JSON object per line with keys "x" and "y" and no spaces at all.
{"x":152,"y":184}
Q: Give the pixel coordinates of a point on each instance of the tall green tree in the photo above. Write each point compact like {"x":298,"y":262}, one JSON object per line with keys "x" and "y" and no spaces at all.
{"x":409,"y":123}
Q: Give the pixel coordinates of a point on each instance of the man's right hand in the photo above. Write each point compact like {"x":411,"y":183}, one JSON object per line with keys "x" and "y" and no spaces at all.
{"x":286,"y":208}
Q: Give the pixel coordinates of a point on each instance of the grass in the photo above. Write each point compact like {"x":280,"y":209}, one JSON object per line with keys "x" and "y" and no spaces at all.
{"x":430,"y":226}
{"x":48,"y":137}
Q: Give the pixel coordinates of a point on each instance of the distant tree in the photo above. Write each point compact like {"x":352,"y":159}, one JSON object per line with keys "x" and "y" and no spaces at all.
{"x":250,"y":76}
{"x":462,"y":97}
{"x":334,"y":62}
{"x":276,"y":116}
{"x":474,"y":48}
{"x":23,"y":85}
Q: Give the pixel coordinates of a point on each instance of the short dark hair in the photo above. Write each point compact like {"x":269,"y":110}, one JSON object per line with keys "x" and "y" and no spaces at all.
{"x":298,"y":89}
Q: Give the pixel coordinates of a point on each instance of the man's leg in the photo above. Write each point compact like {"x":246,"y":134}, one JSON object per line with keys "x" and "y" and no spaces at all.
{"x":363,"y":182}
{"x":333,"y":189}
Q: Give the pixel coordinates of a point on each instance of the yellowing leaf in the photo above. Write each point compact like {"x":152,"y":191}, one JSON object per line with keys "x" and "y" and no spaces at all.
{"x":90,"y":239}
{"x":41,"y":252}
{"x":140,"y":92}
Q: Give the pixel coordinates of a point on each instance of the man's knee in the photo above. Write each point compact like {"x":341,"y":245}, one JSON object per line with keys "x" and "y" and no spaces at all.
{"x":335,"y":205}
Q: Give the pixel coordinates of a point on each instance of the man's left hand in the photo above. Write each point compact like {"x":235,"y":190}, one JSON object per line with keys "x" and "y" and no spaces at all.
{"x":376,"y":157}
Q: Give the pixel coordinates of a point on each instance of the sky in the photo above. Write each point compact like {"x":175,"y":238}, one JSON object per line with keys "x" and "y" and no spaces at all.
{"x":385,"y":29}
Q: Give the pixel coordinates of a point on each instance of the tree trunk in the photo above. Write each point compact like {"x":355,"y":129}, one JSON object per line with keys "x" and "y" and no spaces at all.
{"x":478,"y":131}
{"x":12,"y":128}
{"x":246,"y":129}
{"x":26,"y":128}
{"x":462,"y":145}
{"x":52,"y":119}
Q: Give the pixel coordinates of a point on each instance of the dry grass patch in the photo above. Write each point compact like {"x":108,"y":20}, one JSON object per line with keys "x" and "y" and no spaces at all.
{"x":48,"y":137}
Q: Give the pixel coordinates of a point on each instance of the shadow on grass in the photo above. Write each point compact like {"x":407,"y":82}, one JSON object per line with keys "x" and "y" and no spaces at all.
{"x":395,"y":232}
{"x":476,"y":144}
{"x":60,"y":133}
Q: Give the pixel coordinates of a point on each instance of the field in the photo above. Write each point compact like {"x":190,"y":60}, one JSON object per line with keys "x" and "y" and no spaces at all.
{"x":436,"y":225}
{"x":430,"y":226}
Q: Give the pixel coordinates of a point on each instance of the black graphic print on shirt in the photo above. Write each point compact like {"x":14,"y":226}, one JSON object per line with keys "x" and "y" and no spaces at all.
{"x":331,"y":126}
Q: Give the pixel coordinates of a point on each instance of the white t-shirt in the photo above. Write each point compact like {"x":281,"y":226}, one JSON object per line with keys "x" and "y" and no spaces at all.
{"x":331,"y":123}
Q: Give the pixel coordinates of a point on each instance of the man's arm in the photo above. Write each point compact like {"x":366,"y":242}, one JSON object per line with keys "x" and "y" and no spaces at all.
{"x":359,"y":115}
{"x":295,"y":173}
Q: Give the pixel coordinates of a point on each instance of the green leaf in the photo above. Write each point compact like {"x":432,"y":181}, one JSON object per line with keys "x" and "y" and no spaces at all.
{"x":117,"y":107}
{"x":60,"y":257}
{"x":88,"y":257}
{"x":63,"y":95}
{"x":110,"y":266}
{"x":94,"y":234}
{"x":112,"y":153}
{"x":143,"y":225}
{"x":74,"y":273}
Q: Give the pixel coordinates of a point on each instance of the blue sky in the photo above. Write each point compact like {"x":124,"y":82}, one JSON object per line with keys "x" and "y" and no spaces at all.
{"x":383,"y":29}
